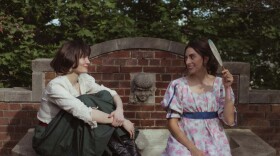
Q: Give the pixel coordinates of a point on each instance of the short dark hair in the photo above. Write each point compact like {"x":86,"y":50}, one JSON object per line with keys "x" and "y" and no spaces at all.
{"x":201,"y":46}
{"x":68,"y":56}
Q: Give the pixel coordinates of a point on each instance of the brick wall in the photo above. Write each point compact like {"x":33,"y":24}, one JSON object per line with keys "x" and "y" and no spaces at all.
{"x":113,"y":68}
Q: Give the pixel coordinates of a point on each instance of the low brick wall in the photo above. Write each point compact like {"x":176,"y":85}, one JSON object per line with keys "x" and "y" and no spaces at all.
{"x":112,"y":64}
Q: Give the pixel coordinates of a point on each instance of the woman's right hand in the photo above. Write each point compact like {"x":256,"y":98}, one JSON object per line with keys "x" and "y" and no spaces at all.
{"x":129,"y":127}
{"x":196,"y":152}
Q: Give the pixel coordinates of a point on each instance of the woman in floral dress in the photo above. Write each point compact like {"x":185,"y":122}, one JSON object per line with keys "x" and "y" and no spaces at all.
{"x":196,"y":105}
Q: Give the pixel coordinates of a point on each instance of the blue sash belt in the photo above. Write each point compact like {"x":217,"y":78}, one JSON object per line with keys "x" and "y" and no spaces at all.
{"x":200,"y":115}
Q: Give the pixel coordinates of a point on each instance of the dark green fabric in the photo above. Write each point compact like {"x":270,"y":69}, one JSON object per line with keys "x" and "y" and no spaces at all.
{"x":67,"y":135}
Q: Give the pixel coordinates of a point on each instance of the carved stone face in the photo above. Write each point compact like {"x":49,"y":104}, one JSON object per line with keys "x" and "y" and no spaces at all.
{"x":142,"y":95}
{"x":142,"y":88}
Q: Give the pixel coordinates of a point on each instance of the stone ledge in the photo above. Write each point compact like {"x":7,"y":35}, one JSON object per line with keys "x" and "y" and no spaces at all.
{"x":15,"y":94}
{"x":243,"y":142}
{"x":264,"y":96}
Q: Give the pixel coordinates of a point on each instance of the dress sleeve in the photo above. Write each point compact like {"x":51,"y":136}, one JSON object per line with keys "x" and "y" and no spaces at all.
{"x":172,"y":101}
{"x":93,"y":87}
{"x":58,"y":95}
{"x":221,"y":103}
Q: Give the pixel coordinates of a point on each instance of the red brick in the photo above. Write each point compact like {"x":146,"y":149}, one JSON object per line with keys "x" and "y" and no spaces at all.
{"x":143,"y":62}
{"x":136,"y":122}
{"x":275,"y":108}
{"x":254,"y":115}
{"x":274,"y":123}
{"x":131,"y":62}
{"x":4,"y":136}
{"x":164,"y":55}
{"x":162,"y":84}
{"x":119,"y":54}
{"x":124,"y":84}
{"x":125,"y":99}
{"x":130,"y":69}
{"x":154,"y":62}
{"x":178,"y":62}
{"x":273,"y":116}
{"x":110,"y":84}
{"x":96,"y":61}
{"x":165,"y":62}
{"x":142,"y":54}
{"x":158,"y":115}
{"x":147,"y":107}
{"x":157,"y":92}
{"x":15,"y":106}
{"x":97,"y":76}
{"x":147,"y":122}
{"x":15,"y":121}
{"x":158,"y":100}
{"x":6,"y":128}
{"x":154,"y":69}
{"x":1,"y":114}
{"x":4,"y":121}
{"x":92,"y":68}
{"x":127,"y":92}
{"x":159,"y":108}
{"x":120,"y":62}
{"x":126,"y":76}
{"x":242,"y":108}
{"x":4,"y":106}
{"x":129,"y":115}
{"x":175,"y":69}
{"x":108,"y":77}
{"x":27,"y":106}
{"x":108,"y":61}
{"x":108,"y":69}
{"x":118,"y":76}
{"x":262,"y":130}
{"x":161,"y":123}
{"x":254,"y":123}
{"x":143,"y":115}
{"x":166,"y":77}
{"x":131,"y":107}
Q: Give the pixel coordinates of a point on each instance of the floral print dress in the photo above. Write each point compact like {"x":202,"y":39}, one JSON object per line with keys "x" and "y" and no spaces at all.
{"x":207,"y":134}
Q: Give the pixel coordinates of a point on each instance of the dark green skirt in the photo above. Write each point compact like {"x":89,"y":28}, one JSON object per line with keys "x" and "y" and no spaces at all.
{"x":67,"y":135}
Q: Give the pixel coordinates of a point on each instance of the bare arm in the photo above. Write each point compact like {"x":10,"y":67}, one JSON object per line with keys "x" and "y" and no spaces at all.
{"x":229,"y":106}
{"x":101,"y":117}
{"x":176,"y":132}
{"x":118,"y":113}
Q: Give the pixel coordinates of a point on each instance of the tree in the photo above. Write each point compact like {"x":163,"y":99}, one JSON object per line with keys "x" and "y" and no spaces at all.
{"x":246,"y":31}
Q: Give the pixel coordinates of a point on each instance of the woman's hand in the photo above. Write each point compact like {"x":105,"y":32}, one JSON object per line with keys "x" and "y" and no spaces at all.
{"x":196,"y":152}
{"x":227,"y":78}
{"x":118,"y":117}
{"x":129,"y":127}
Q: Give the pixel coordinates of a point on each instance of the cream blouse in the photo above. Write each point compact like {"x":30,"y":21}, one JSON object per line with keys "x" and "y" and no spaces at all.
{"x":60,"y":94}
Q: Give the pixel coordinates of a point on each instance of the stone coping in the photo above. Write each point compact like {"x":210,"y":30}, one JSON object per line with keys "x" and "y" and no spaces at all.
{"x":243,"y":142}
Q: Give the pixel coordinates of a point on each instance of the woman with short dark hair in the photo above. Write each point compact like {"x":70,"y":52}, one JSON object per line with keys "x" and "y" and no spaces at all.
{"x":196,"y":103}
{"x":77,"y":116}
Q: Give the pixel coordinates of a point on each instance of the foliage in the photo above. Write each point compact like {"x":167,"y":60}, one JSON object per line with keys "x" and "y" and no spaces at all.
{"x":246,"y":31}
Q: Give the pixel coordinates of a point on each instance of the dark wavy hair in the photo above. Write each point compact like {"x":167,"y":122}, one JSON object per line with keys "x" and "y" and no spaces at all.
{"x":202,"y":47}
{"x":68,"y":56}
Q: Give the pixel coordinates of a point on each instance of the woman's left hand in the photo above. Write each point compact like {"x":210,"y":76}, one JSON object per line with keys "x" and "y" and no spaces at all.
{"x":227,"y":78}
{"x":118,"y":117}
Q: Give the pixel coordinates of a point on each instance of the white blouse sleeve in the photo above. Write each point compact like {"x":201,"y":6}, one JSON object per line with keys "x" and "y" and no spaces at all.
{"x":93,"y":87}
{"x":58,"y":95}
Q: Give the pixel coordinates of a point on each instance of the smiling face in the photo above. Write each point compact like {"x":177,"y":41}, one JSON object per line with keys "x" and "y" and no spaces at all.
{"x":194,"y":62}
{"x":82,"y":67}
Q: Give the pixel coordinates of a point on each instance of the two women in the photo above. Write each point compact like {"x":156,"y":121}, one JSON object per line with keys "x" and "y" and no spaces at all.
{"x":196,"y":103}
